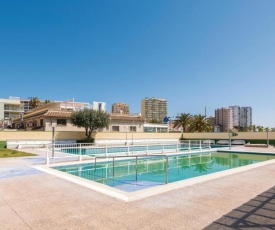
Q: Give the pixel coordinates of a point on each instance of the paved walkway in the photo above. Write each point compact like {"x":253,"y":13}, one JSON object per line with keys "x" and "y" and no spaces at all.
{"x":258,"y":213}
{"x":30,"y":199}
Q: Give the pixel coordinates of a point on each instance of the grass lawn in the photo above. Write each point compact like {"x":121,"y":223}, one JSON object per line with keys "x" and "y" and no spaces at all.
{"x":13,"y":153}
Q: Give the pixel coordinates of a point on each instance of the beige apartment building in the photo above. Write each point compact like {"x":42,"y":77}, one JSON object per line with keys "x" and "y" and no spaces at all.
{"x":120,"y":108}
{"x":224,"y":118}
{"x":153,"y":109}
{"x":13,"y":107}
{"x":10,"y":108}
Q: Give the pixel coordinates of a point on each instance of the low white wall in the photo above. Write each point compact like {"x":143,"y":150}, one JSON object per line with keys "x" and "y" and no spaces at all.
{"x":135,"y":141}
{"x":11,"y":144}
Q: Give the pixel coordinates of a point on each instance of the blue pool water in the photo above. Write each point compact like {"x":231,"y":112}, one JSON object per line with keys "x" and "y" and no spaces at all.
{"x":131,"y":175}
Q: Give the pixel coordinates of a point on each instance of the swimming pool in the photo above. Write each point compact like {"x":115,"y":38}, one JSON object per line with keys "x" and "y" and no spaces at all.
{"x":140,"y":173}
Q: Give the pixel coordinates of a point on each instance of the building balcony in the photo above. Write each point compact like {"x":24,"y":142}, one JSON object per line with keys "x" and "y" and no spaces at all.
{"x":12,"y":109}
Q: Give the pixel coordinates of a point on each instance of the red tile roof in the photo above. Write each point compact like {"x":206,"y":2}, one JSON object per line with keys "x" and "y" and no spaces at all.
{"x":57,"y":114}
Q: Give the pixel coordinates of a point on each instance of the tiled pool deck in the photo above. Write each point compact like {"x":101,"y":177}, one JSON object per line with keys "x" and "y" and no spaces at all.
{"x":31,"y":199}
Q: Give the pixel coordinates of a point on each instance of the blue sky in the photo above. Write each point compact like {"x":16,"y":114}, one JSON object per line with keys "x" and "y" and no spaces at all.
{"x":193,"y":53}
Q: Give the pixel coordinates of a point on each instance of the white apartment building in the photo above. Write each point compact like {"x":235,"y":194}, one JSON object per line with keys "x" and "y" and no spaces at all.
{"x":101,"y":106}
{"x":236,"y":115}
{"x":245,"y":117}
{"x":9,"y":109}
{"x":242,"y":116}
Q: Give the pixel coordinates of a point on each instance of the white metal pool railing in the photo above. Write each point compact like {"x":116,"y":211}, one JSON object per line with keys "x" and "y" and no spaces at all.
{"x":166,"y":166}
{"x":80,"y":150}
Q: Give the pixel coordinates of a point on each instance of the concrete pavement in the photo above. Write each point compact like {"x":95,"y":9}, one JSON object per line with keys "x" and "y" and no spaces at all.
{"x":30,"y":199}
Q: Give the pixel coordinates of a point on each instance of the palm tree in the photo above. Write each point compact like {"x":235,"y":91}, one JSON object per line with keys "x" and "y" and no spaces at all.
{"x":34,"y":102}
{"x":252,"y":128}
{"x":182,"y":120}
{"x":199,"y":124}
{"x":260,"y":128}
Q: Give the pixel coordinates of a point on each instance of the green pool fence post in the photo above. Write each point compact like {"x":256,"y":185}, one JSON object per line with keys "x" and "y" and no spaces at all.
{"x":113,"y":167}
{"x":166,"y":170}
{"x":136,"y":169}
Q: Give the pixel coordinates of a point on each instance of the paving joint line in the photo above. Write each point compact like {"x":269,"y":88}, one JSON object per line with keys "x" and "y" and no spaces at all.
{"x":15,"y":212}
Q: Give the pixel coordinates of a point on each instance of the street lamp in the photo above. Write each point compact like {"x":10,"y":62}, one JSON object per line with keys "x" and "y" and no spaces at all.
{"x":267,"y":137}
{"x":132,"y":132}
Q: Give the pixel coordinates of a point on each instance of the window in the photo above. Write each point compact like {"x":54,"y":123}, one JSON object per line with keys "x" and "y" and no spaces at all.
{"x":41,"y":122}
{"x":115,"y":128}
{"x":133,"y":128}
{"x":61,"y":122}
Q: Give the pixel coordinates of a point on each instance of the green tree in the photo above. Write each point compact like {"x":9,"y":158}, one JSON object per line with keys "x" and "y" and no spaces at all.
{"x":182,"y":121}
{"x":199,"y":124}
{"x":154,"y":121}
{"x":90,"y":120}
{"x":34,"y":102}
{"x":47,"y":101}
{"x":260,"y":128}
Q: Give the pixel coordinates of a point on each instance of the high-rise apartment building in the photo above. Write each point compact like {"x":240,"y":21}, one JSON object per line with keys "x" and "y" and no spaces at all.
{"x":236,"y":115}
{"x":101,"y":106}
{"x":242,"y":116}
{"x":120,"y":108}
{"x":153,"y":109}
{"x":245,"y":117}
{"x":224,"y":118}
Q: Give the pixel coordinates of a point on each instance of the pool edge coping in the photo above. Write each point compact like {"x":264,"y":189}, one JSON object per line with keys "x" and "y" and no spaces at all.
{"x":144,"y":193}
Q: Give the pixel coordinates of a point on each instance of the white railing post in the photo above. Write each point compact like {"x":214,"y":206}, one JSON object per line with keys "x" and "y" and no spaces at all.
{"x":200,"y":145}
{"x":80,"y":152}
{"x":209,"y":145}
{"x":106,"y":151}
{"x":177,"y":150}
{"x":128,"y":150}
{"x":189,"y":146}
{"x":47,"y":156}
{"x":147,"y":149}
{"x":162,"y":147}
